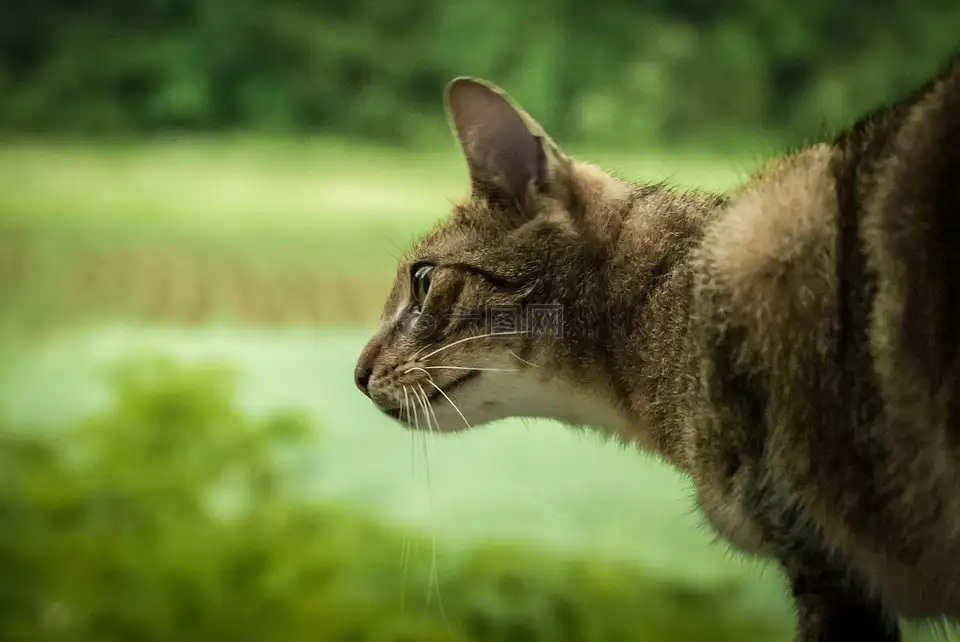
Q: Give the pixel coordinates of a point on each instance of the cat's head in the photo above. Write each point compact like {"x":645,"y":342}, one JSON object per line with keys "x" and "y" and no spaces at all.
{"x":479,"y":324}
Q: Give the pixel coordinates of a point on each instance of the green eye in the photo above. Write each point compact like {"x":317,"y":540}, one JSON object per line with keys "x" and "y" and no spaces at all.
{"x":420,"y":283}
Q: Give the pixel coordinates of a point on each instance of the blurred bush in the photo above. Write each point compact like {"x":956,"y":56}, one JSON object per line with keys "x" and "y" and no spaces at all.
{"x":687,"y":70}
{"x":170,"y":516}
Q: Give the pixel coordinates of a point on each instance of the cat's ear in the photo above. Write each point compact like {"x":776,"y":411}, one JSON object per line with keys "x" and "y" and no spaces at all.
{"x":507,"y":152}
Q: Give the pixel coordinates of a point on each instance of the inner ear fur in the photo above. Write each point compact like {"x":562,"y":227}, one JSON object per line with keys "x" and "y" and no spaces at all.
{"x":508,"y":153}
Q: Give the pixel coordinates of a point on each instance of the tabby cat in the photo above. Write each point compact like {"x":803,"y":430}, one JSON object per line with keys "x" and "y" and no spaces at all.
{"x":791,"y":345}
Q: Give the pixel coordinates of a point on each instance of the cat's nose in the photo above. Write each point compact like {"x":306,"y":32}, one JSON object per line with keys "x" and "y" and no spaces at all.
{"x":364,"y":369}
{"x":361,"y":377}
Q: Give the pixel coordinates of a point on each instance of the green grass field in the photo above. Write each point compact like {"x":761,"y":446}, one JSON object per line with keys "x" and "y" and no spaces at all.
{"x":274,"y":258}
{"x":194,"y":231}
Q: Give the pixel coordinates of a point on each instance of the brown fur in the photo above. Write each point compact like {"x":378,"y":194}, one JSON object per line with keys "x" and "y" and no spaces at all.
{"x":789,"y":345}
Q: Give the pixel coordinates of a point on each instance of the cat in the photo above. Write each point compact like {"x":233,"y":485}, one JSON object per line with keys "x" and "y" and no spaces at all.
{"x":788,"y":345}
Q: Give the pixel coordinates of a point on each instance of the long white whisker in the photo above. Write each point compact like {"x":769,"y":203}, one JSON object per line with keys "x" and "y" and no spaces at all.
{"x":518,"y":357}
{"x":536,"y":502}
{"x":434,"y":573}
{"x":416,"y":420}
{"x":422,"y":399}
{"x":405,"y":546}
{"x":429,"y":345}
{"x":449,"y":400}
{"x":466,"y":368}
{"x":413,"y":439}
{"x":418,"y":435}
{"x":423,"y":442}
{"x":423,"y":394}
{"x":426,"y":459}
{"x":472,"y":338}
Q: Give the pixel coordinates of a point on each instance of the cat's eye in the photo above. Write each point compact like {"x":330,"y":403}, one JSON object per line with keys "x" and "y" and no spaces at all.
{"x":420,"y":282}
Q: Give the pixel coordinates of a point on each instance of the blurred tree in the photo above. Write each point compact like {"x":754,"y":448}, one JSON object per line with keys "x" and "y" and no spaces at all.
{"x":640,"y":72}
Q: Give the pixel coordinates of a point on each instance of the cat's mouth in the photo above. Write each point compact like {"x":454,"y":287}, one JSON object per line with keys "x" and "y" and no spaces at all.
{"x":398,"y":412}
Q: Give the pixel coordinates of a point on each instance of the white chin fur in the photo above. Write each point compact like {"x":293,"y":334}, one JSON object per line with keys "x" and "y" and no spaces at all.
{"x":529,"y":393}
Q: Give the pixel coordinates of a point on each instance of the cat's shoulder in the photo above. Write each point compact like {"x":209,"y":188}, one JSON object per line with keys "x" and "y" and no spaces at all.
{"x":765,"y":262}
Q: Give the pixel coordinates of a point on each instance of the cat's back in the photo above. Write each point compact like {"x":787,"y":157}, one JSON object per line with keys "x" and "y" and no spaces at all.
{"x":827,"y":320}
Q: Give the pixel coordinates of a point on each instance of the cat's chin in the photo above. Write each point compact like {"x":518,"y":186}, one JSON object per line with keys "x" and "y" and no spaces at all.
{"x":440,"y":426}
{"x":441,"y":411}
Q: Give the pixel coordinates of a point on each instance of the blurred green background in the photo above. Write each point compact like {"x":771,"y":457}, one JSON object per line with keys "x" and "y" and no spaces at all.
{"x":201,"y":203}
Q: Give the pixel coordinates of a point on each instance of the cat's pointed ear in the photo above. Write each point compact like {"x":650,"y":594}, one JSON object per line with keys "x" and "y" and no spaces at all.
{"x":506,"y":150}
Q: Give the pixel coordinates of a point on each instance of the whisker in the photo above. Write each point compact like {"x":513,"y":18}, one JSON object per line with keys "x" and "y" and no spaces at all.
{"x":516,"y":356}
{"x":413,"y":439}
{"x":426,"y":347}
{"x":427,"y":410}
{"x":449,"y":400}
{"x":421,"y":399}
{"x":436,"y":422}
{"x":434,"y":573}
{"x":416,"y":420}
{"x":526,"y":494}
{"x":466,"y":368}
{"x":472,"y":338}
{"x":411,"y":412}
{"x":418,"y":435}
{"x":426,"y":414}
{"x":423,"y":395}
{"x":426,"y":459}
{"x":423,"y":442}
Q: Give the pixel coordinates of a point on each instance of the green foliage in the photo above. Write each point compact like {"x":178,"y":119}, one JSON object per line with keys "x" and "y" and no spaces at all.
{"x":171,"y":516}
{"x":648,"y":71}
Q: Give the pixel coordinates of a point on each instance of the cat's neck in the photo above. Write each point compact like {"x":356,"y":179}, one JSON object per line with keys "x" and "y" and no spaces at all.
{"x":630,"y":326}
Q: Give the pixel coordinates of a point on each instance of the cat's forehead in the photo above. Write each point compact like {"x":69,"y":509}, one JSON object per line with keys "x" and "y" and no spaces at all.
{"x":468,"y":227}
{"x":449,"y":238}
